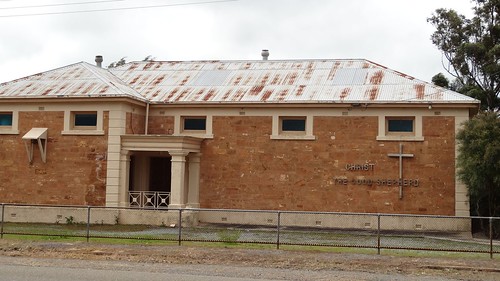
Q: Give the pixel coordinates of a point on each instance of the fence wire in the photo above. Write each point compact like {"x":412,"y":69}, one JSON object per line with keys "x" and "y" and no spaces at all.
{"x":371,"y":231}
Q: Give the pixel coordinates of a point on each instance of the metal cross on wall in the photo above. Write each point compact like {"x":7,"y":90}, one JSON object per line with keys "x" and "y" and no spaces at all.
{"x":400,"y":155}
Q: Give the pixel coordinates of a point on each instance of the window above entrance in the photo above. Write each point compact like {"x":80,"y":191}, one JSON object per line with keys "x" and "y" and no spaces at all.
{"x":195,"y":126}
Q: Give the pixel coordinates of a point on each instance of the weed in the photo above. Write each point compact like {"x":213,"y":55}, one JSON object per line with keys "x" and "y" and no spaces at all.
{"x":70,"y":220}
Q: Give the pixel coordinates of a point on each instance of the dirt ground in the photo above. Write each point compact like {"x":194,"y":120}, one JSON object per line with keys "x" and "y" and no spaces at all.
{"x":455,"y":268}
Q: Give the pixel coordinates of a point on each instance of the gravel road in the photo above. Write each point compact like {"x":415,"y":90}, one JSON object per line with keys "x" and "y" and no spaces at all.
{"x":82,"y":261}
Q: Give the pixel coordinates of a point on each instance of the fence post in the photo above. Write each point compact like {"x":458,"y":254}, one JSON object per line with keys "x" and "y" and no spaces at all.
{"x":278,"y":231}
{"x":491,"y":238}
{"x":180,"y":226}
{"x":378,"y":234}
{"x":1,"y":224}
{"x":88,"y":223}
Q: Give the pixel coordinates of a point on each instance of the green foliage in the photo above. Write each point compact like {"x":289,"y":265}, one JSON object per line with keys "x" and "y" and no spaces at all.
{"x":479,"y":163}
{"x":118,"y":63}
{"x":471,"y":49}
{"x":441,"y":80}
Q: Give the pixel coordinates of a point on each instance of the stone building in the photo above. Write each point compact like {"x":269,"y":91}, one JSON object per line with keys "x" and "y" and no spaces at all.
{"x":306,"y":135}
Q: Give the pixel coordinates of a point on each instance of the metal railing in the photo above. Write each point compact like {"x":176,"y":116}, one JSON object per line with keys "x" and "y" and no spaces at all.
{"x":149,"y":199}
{"x":354,"y":230}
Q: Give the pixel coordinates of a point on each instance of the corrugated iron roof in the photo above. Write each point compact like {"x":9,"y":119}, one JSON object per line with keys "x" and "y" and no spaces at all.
{"x":76,"y":80}
{"x":290,"y":81}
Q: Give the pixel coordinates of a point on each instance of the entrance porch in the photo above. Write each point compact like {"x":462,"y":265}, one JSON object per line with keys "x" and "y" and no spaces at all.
{"x":159,"y":171}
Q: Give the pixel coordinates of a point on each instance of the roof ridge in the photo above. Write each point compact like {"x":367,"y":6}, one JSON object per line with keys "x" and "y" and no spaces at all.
{"x":94,"y":69}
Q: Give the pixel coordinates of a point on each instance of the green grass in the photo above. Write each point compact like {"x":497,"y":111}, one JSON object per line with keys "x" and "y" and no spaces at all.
{"x":230,"y":237}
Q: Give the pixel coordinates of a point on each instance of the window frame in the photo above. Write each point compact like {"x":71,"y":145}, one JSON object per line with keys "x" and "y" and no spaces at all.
{"x":180,"y":131}
{"x":400,"y":118}
{"x":11,"y":129}
{"x":70,"y":128}
{"x":193,"y":131}
{"x":282,"y":131}
{"x":279,"y":134}
{"x":7,"y":113}
{"x":74,"y":115}
{"x":385,"y":135}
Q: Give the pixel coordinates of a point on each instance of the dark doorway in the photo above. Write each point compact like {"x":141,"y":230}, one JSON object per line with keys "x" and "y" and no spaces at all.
{"x":160,"y":169}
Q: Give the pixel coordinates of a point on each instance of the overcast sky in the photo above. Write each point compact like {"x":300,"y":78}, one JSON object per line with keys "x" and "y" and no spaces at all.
{"x":393,"y":33}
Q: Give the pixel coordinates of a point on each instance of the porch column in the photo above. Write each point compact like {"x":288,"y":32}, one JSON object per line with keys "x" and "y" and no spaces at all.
{"x":123,"y":196}
{"x":178,"y":179}
{"x":194,"y":180}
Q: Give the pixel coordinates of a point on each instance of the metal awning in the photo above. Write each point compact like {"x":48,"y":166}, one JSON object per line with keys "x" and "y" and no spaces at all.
{"x":36,"y":135}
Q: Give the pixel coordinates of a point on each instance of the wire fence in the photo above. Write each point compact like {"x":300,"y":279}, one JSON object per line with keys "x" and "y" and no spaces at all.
{"x":352,"y":230}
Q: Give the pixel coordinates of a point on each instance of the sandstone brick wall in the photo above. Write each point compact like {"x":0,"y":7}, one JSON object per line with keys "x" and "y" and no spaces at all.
{"x":161,"y":125}
{"x":135,"y":124}
{"x":75,"y":172}
{"x":243,"y":168}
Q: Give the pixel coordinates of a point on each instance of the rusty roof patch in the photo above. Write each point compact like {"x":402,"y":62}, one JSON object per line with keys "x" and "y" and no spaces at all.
{"x":209,"y":95}
{"x":420,"y":89}
{"x":148,"y":65}
{"x":333,"y":71}
{"x":264,"y":79}
{"x":104,"y":89}
{"x":157,"y":92}
{"x":133,"y":66}
{"x":372,"y":93}
{"x":172,"y":93}
{"x":345,"y":93}
{"x":158,"y":80}
{"x":291,"y":77}
{"x":47,"y":91}
{"x":276,"y":79}
{"x":237,"y":80}
{"x":255,"y":90}
{"x":185,"y":80}
{"x":267,"y":94}
{"x":136,"y":79}
{"x":300,"y":90}
{"x":377,"y":77}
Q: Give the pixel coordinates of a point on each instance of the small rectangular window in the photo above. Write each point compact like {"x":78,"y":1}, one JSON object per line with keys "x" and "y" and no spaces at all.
{"x":403,"y":125}
{"x":293,"y":125}
{"x":5,"y":119}
{"x":195,"y":124}
{"x":84,"y":120}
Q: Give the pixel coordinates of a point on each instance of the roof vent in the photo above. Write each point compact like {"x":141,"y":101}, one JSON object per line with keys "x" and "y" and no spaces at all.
{"x":98,"y":61}
{"x":265,"y":54}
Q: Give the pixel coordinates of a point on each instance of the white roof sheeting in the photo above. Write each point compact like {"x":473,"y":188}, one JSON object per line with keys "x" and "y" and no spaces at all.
{"x":291,"y":81}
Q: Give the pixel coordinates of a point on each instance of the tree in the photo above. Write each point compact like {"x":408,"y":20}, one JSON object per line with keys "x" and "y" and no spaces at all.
{"x":471,"y":49}
{"x":441,"y":80}
{"x":117,"y":63}
{"x":479,"y":163}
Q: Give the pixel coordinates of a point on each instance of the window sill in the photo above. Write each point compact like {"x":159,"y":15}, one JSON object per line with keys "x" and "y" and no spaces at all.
{"x":9,"y":132}
{"x":83,"y":132}
{"x":292,"y":137}
{"x":400,"y":138}
{"x":201,"y":136}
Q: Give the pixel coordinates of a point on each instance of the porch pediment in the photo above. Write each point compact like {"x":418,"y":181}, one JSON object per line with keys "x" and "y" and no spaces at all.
{"x":160,"y":143}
